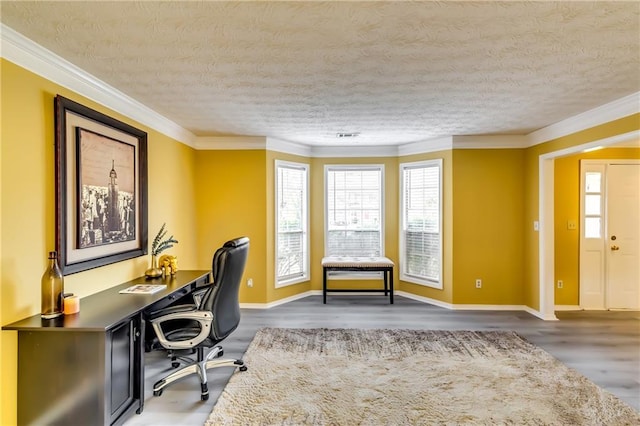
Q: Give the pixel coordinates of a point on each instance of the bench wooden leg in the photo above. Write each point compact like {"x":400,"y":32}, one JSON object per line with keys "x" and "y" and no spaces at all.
{"x":324,"y":286}
{"x":390,"y":272}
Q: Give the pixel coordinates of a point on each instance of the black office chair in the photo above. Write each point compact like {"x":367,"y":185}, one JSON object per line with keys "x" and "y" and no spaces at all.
{"x":208,"y":323}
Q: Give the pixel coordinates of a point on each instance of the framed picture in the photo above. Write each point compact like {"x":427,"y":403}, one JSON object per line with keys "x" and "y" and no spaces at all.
{"x":101,"y":188}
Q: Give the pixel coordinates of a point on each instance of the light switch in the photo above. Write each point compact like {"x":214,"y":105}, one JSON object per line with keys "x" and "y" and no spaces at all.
{"x":571,"y":224}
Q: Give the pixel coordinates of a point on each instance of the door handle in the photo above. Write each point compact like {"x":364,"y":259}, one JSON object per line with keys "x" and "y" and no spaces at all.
{"x":615,"y":248}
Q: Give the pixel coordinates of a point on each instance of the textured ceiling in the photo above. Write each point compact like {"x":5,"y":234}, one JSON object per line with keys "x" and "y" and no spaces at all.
{"x":396,"y":72}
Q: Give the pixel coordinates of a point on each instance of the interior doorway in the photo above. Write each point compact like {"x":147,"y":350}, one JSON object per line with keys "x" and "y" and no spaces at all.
{"x":545,"y":225}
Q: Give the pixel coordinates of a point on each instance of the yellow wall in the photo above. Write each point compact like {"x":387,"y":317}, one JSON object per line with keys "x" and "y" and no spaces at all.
{"x":531,"y":189}
{"x":231,"y":202}
{"x":488,"y":215}
{"x":566,"y":208}
{"x":3,"y":394}
{"x":28,"y":202}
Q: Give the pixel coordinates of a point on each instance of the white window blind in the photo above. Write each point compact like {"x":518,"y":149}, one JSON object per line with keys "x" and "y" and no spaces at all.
{"x":292,"y":253}
{"x":421,"y":222}
{"x":353,"y":210}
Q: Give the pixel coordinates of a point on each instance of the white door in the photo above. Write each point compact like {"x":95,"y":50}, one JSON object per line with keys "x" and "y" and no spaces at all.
{"x":610,"y":234}
{"x":623,"y":234}
{"x":592,"y":238}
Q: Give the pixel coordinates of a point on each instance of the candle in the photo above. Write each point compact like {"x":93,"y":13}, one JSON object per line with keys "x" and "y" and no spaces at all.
{"x":71,"y":305}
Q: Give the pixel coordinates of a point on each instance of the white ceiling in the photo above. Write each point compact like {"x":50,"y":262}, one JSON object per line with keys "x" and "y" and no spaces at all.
{"x":396,"y":72}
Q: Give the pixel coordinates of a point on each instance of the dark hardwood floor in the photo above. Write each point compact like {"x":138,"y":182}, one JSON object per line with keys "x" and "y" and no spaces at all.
{"x":603,"y":346}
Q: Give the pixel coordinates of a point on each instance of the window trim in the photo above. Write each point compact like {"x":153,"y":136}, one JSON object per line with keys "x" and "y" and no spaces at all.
{"x":401,"y":237}
{"x":354,"y":275}
{"x":306,"y":275}
{"x":600,"y":168}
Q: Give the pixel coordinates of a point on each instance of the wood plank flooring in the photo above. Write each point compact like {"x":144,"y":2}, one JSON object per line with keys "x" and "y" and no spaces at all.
{"x":603,"y":346}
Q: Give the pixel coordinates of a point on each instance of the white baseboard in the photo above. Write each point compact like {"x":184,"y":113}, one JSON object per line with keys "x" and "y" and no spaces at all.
{"x":424,"y":299}
{"x":568,"y":308}
{"x":439,"y":303}
{"x":476,"y":307}
{"x":280,"y":301}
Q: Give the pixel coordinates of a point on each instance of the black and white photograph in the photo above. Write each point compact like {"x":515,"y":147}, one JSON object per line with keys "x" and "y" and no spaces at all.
{"x":106,"y":190}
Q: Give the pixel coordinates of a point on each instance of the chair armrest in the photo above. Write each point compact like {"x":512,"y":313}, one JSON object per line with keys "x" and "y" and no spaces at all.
{"x":188,"y":312}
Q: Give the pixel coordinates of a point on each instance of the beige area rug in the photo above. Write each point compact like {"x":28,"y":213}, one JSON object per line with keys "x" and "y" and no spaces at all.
{"x":409,"y":377}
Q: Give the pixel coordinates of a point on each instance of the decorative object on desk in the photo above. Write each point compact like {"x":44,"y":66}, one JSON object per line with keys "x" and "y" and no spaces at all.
{"x":159,"y":244}
{"x":153,"y":271}
{"x":143,"y":289}
{"x":52,"y":289}
{"x":409,"y":377}
{"x":71,"y":304}
{"x":168,"y":264}
{"x":101,"y":188}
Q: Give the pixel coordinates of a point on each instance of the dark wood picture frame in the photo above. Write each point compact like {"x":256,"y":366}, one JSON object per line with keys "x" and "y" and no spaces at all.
{"x":101,"y":188}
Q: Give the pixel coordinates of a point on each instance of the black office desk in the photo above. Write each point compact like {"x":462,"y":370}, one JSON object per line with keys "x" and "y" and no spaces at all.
{"x":88,"y":368}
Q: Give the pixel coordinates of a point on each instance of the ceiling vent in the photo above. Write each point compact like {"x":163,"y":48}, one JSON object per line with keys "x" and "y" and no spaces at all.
{"x":347,"y":135}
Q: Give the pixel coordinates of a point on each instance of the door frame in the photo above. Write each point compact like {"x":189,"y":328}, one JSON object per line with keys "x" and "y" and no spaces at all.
{"x":545,"y":223}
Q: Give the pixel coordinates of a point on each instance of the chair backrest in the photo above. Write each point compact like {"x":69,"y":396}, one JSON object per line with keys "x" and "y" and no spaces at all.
{"x":222,"y":298}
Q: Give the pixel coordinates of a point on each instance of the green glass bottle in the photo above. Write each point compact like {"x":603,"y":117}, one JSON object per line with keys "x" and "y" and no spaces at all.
{"x":52,"y":289}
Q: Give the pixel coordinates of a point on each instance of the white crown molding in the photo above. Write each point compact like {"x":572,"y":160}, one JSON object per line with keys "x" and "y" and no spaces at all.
{"x":354,"y":151}
{"x":287,"y":147}
{"x":490,"y":142}
{"x":230,"y":143}
{"x":422,"y":147}
{"x":617,"y":109}
{"x":22,"y":51}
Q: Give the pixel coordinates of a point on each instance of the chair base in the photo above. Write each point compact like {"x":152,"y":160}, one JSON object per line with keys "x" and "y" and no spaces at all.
{"x":199,"y":367}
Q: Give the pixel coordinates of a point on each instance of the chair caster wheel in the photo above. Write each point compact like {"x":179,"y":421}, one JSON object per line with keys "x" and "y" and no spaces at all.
{"x":243,"y":368}
{"x":175,"y":364}
{"x":204,"y":391}
{"x":157,"y":393}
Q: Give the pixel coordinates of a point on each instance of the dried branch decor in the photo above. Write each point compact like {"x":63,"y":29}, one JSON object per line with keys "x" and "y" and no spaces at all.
{"x":159,"y":244}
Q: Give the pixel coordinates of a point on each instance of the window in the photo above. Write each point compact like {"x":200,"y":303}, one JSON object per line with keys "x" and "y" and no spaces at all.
{"x":421,"y":223}
{"x":592,"y":205}
{"x":292,"y":218}
{"x":353,"y":216}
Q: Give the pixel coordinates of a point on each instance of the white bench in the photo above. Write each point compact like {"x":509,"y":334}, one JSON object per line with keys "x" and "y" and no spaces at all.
{"x":346,"y":263}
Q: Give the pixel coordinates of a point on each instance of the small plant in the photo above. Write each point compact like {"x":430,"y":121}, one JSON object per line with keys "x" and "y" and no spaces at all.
{"x":160,"y":244}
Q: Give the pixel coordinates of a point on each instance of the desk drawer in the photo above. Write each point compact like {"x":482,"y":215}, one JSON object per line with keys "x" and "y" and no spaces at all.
{"x":173,"y":298}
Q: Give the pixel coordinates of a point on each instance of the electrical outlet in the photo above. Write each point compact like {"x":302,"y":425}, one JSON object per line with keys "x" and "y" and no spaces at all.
{"x":560,"y":283}
{"x":250,"y":282}
{"x":478,"y":283}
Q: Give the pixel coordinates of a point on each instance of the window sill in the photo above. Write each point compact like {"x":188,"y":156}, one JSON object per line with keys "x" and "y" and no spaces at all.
{"x":426,"y":283}
{"x":292,"y":281}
